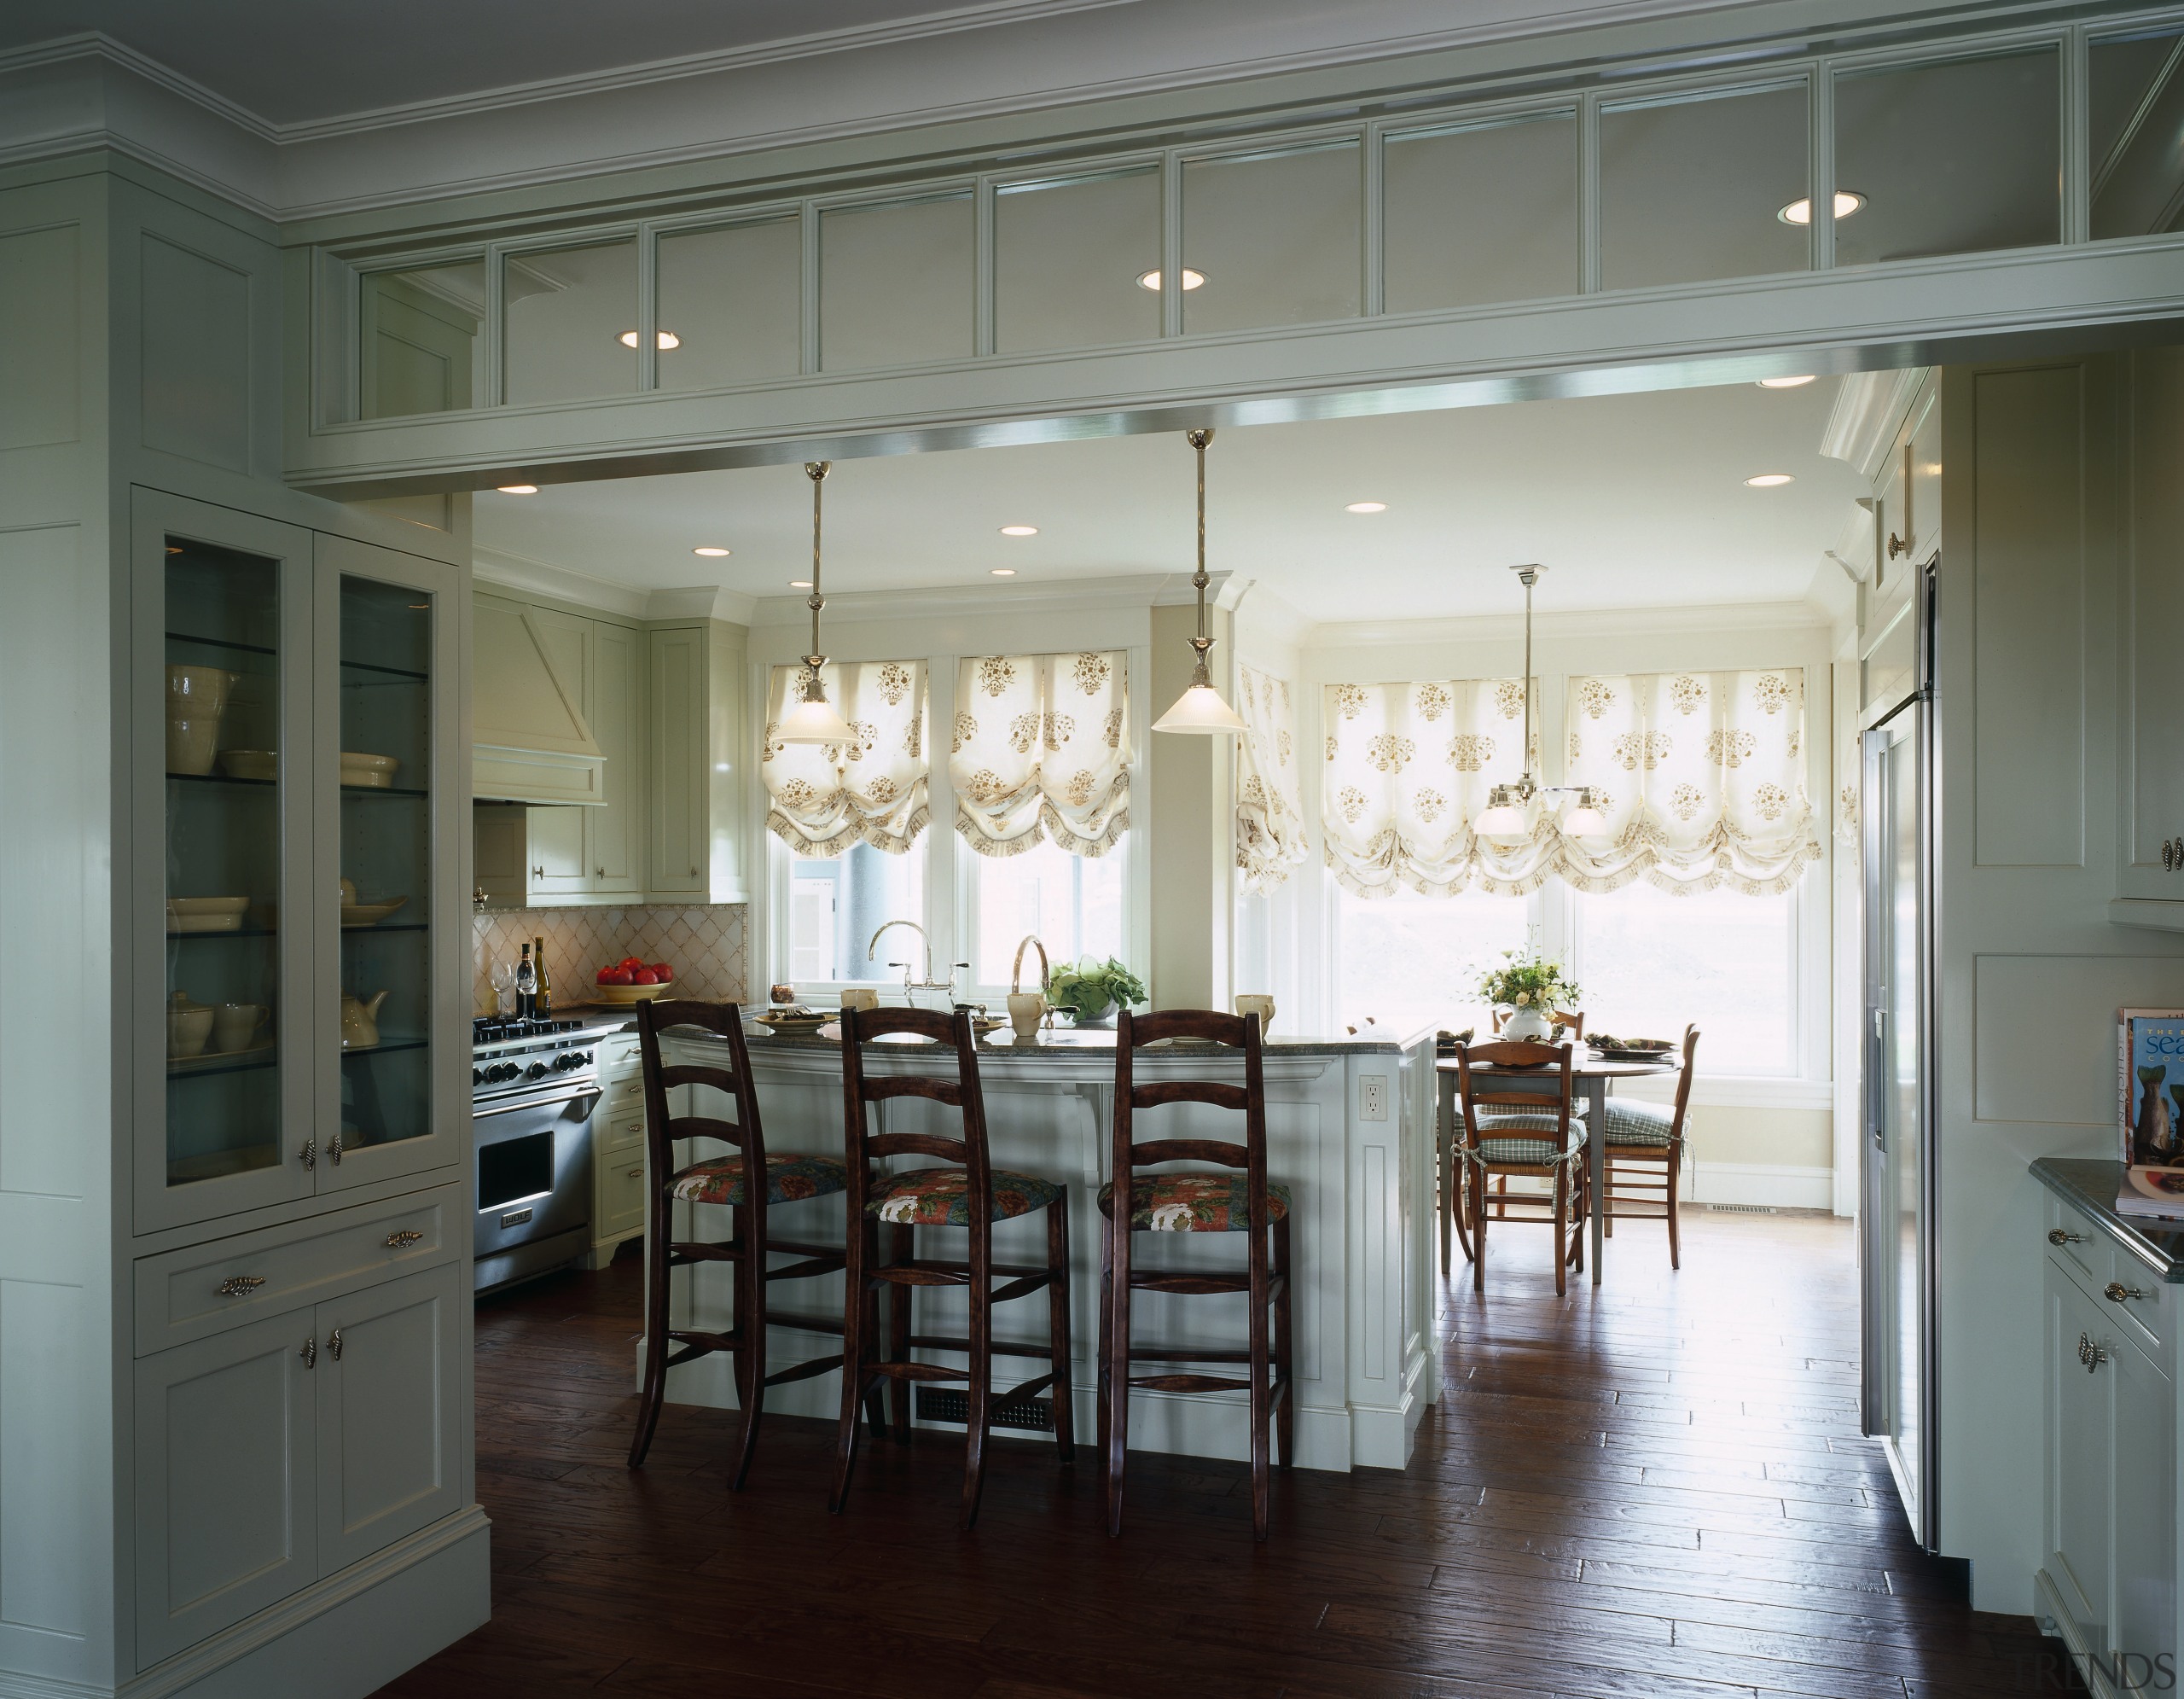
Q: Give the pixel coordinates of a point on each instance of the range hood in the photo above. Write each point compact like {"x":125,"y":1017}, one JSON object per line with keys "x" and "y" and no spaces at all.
{"x":529,"y":739}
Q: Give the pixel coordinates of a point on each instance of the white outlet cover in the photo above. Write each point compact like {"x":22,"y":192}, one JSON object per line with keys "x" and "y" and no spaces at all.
{"x":1372,"y":1097}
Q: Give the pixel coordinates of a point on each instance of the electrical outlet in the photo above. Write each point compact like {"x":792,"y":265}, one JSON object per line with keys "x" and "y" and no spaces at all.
{"x":1372,"y":1097}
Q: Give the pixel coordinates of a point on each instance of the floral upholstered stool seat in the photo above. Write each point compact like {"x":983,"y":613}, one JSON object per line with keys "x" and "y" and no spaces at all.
{"x":1193,"y":1203}
{"x":789,"y":1178}
{"x":941,"y":1197}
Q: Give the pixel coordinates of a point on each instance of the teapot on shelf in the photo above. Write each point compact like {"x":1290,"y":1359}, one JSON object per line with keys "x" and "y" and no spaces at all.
{"x":360,"y":1021}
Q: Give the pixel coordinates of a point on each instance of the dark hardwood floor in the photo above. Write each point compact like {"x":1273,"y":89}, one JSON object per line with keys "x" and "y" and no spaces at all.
{"x":1656,"y":1489}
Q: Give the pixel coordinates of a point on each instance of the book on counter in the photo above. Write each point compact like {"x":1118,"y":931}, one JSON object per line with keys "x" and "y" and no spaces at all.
{"x":2150,"y":1096}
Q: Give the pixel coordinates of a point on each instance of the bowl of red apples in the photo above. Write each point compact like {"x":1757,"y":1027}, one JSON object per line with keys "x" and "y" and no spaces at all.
{"x":633,"y":980}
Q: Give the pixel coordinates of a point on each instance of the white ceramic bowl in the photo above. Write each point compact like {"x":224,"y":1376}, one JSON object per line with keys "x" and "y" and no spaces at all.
{"x":370,"y":772}
{"x":250,"y":764}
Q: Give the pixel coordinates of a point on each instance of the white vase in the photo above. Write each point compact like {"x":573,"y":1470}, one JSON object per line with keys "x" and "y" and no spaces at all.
{"x":1525,"y":1023}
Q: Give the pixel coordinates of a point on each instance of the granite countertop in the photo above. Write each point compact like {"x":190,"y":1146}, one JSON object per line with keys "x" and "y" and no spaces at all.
{"x":2089,"y":1186}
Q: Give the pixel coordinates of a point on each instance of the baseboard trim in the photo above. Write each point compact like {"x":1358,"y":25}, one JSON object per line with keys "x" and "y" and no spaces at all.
{"x":1777,"y":1185}
{"x":346,"y":1636}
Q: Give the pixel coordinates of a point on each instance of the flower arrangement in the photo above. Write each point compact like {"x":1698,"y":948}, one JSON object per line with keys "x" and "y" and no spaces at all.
{"x":1090,"y":989}
{"x":1529,"y":982}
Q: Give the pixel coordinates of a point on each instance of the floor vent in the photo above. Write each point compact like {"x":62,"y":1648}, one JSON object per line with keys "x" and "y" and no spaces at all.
{"x":945,"y":1404}
{"x":1744,"y":1208}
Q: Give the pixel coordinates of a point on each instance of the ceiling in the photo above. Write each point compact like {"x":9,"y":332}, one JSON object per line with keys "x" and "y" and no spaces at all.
{"x":1631,"y":500}
{"x":294,"y":61}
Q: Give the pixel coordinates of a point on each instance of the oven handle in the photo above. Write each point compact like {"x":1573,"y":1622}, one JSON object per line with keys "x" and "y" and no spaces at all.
{"x":559,"y":1093}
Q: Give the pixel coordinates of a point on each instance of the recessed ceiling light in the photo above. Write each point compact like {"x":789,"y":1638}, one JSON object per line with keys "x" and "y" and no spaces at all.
{"x":709,"y":554}
{"x":800,"y":584}
{"x":666,"y":338}
{"x":1785,"y":382}
{"x":1770,"y":480}
{"x":1799,"y":212}
{"x":1151,"y":280}
{"x":1019,"y":531}
{"x":517,"y":489}
{"x":1004,"y":572}
{"x":1366,"y":507}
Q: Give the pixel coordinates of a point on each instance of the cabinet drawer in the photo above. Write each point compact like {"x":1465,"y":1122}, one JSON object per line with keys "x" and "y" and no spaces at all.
{"x":2139,"y":1302}
{"x":617,"y":1051}
{"x":619,"y":1095}
{"x":620,"y":1133}
{"x":191,"y":1294}
{"x":621,"y":1196}
{"x":2081,"y":1247}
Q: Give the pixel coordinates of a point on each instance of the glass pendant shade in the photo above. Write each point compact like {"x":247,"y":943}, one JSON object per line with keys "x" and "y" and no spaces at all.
{"x":1584,"y":820}
{"x":1504,"y":815}
{"x":1200,"y":708}
{"x":813,"y":720}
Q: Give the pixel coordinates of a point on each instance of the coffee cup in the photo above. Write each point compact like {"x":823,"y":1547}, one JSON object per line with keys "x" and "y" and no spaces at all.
{"x":860,"y":997}
{"x":1026,"y":1009}
{"x":236,"y":1024}
{"x":1258,"y":1003}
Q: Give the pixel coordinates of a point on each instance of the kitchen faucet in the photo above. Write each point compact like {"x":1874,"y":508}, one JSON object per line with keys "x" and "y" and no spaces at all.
{"x":910,"y":985}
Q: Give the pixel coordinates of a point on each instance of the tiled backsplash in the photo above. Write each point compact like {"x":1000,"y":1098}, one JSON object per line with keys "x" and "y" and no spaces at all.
{"x":705,"y":946}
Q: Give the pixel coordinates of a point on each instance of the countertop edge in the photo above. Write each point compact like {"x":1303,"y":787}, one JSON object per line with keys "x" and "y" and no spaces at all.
{"x":2089,"y":1186}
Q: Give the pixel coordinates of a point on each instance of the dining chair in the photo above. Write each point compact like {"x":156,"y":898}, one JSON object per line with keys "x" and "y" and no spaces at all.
{"x":1510,"y":1133}
{"x":1241,"y":1200}
{"x":967,"y":1192}
{"x":1645,"y":1140}
{"x":750,"y":1246}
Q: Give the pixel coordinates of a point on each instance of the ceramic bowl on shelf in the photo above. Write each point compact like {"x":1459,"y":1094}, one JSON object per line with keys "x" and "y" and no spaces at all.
{"x":189,"y":1024}
{"x":369,"y":914}
{"x":206,"y":914}
{"x":196,"y":697}
{"x":368,"y":772}
{"x":250,"y":764}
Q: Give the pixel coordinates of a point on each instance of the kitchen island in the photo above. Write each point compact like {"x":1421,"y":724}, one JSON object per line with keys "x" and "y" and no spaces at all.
{"x":1349,"y":1126}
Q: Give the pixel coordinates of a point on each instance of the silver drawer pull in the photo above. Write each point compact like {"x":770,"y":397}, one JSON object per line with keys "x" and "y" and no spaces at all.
{"x":407,"y":1235}
{"x":240,"y":1285}
{"x":2063,"y":1236}
{"x":2092,"y":1356}
{"x":2115,"y":1292}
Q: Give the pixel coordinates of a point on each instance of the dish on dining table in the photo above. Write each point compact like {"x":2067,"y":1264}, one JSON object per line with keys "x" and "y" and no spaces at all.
{"x":1636,"y":1050}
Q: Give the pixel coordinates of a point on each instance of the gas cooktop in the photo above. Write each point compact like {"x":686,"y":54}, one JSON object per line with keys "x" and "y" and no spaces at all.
{"x":491,"y":1029}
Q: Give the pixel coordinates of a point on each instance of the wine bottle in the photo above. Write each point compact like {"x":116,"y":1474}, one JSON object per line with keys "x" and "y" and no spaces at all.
{"x":543,"y":1004}
{"x":526,"y":988}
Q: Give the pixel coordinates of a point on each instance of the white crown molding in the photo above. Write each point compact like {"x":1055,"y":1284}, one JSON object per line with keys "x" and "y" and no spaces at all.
{"x":996,"y":60}
{"x":957,"y":601}
{"x":702,"y":602}
{"x":1868,"y":407}
{"x":1589,"y":622}
{"x":497,"y":569}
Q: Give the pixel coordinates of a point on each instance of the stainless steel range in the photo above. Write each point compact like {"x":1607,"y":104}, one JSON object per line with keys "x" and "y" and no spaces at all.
{"x":533,"y":1085}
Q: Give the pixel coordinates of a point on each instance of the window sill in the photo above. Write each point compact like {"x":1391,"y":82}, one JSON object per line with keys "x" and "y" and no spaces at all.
{"x":1733,"y":1092}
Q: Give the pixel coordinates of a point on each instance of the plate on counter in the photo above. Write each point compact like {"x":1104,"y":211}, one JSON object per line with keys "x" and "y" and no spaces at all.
{"x":788,"y":1023}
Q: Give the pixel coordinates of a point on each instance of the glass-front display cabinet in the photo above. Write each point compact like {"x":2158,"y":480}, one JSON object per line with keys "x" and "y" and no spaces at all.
{"x":300,"y":993}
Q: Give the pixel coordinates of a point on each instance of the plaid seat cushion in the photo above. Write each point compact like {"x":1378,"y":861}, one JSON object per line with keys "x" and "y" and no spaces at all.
{"x":940,"y":1198}
{"x":788,"y":1177}
{"x":1535,"y":1152}
{"x":1193,"y":1203}
{"x":1529,"y":1120}
{"x":1630,"y":1122}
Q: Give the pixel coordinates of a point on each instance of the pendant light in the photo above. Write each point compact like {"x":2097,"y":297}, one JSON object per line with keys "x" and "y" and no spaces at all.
{"x":1200,"y":708}
{"x":813,"y":719}
{"x":1506,"y":805}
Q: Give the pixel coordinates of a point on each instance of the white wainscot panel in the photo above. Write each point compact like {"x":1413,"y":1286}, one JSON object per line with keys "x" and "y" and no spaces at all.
{"x":2043,"y":1033}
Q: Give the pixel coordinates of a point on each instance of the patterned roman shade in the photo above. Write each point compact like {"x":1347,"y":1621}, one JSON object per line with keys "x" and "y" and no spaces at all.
{"x":1040,"y":749}
{"x":1408,"y":767}
{"x":1270,"y":819}
{"x":825,"y":797}
{"x":1704,"y":775}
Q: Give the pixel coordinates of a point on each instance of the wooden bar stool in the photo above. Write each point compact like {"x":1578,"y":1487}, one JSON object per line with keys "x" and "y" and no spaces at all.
{"x":970,"y":1193}
{"x":1195,"y":1204}
{"x":1643,"y":1156}
{"x":722,"y":1180}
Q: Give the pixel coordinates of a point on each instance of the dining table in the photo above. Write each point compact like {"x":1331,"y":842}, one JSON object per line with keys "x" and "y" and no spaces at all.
{"x":1591,"y":1073}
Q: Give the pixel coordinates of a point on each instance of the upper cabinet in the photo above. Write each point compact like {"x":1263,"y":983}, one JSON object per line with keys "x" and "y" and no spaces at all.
{"x":663,"y":704}
{"x":2151,"y":606}
{"x":296,"y":898}
{"x":1906,"y":531}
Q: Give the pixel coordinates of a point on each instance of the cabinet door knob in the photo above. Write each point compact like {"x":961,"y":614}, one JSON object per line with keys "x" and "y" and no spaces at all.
{"x":333,"y":1149}
{"x":537,"y":873}
{"x":407,"y":1235}
{"x":308,"y":1155}
{"x":2092,"y":1356}
{"x":334,"y":1343}
{"x":2169,"y":855}
{"x":2063,"y":1236}
{"x":2115,"y":1292}
{"x":694,"y":873}
{"x":310,"y":1353}
{"x":1897,"y":545}
{"x":637,"y":1173}
{"x":240,"y":1285}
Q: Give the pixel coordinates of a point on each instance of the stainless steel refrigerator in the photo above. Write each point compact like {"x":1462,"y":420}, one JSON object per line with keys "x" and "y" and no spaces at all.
{"x":1896,"y":1224}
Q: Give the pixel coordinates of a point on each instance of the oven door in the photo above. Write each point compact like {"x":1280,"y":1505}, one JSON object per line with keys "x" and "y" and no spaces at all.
{"x":533,"y":1170}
